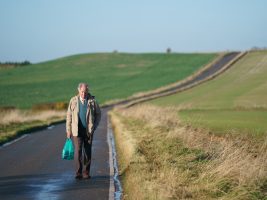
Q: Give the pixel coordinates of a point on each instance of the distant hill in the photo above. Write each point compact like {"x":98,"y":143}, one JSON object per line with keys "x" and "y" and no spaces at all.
{"x":110,"y":76}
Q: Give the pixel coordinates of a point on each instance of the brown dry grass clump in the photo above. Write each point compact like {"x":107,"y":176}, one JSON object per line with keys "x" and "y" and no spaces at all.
{"x":160,"y":158}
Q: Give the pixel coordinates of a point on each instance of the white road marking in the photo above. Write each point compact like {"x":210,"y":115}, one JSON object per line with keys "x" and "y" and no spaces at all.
{"x":13,"y":141}
{"x":50,"y":127}
{"x":111,"y":166}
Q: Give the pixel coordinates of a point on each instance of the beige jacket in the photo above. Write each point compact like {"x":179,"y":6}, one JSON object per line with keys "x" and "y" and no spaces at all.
{"x":93,"y":116}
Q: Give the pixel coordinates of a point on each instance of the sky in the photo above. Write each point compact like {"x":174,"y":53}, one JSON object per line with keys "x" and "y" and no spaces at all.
{"x":40,"y":30}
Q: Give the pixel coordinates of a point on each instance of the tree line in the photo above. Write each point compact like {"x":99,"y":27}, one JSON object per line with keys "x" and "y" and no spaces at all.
{"x":14,"y":64}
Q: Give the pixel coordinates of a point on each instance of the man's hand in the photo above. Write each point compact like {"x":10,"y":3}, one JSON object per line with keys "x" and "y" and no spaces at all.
{"x":69,"y":135}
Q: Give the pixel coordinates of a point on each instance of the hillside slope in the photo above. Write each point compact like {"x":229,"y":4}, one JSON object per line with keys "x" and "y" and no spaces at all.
{"x":110,"y":75}
{"x":235,"y":101}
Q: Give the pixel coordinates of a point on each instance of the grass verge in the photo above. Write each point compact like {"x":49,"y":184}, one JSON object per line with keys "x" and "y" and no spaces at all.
{"x":160,"y":158}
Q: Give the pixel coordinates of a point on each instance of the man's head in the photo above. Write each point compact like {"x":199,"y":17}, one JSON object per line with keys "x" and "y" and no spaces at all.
{"x":83,"y":90}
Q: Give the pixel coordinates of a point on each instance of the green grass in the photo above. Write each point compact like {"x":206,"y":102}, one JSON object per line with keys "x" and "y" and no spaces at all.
{"x":110,"y":75}
{"x":228,"y":121}
{"x":236,"y":100}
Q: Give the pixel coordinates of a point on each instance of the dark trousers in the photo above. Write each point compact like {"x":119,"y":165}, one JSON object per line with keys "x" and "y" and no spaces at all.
{"x":82,"y":154}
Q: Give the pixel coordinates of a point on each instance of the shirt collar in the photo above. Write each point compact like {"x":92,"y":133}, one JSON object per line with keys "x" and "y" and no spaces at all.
{"x":82,"y":100}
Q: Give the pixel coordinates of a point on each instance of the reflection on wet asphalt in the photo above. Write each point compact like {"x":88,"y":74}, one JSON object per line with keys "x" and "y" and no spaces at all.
{"x":43,"y":186}
{"x":46,"y":186}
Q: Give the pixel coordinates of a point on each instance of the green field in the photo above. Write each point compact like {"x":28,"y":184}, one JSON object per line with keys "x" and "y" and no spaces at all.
{"x":110,"y":76}
{"x":235,"y":102}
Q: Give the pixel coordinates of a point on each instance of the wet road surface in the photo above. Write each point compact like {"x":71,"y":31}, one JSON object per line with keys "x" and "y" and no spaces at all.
{"x":32,"y":168}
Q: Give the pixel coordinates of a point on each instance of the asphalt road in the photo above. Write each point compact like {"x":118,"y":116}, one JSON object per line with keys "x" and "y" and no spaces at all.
{"x":32,"y":168}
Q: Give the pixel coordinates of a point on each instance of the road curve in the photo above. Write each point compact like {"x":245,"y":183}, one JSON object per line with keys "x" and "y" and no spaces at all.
{"x":32,"y":168}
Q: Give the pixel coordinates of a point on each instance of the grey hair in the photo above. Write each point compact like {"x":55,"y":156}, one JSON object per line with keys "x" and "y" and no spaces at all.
{"x":83,"y":85}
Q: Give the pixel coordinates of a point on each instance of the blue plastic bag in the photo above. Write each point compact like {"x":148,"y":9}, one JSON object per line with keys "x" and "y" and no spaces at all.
{"x":68,"y":150}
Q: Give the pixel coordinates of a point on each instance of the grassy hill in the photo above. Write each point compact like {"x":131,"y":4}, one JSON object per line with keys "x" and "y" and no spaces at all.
{"x":235,"y":102}
{"x":110,"y":75}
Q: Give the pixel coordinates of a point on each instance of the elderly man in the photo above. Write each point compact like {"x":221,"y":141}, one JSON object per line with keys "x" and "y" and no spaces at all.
{"x":83,"y":117}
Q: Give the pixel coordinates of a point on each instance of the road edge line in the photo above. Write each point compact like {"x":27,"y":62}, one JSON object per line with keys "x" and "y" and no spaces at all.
{"x":13,"y":141}
{"x":111,"y":165}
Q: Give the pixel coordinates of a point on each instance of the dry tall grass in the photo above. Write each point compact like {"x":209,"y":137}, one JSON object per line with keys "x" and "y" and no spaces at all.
{"x":127,"y":143}
{"x":14,"y":122}
{"x":204,"y":166}
{"x":20,"y":116}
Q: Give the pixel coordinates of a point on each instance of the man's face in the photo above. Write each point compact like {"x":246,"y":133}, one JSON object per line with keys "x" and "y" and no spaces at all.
{"x":83,"y":92}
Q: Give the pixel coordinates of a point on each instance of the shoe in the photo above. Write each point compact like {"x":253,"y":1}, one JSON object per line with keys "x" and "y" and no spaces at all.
{"x":78,"y":176}
{"x":86,"y":175}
